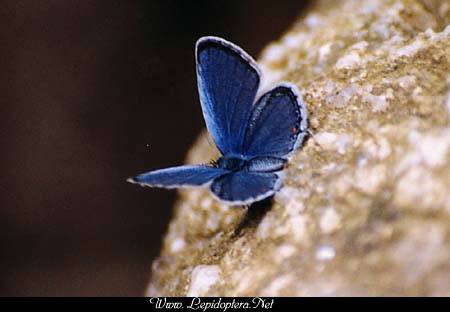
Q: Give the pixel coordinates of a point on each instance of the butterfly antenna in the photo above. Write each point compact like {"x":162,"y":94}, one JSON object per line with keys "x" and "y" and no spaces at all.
{"x":310,"y":134}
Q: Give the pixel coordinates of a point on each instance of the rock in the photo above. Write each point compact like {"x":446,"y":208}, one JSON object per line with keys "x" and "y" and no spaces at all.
{"x":368,"y":211}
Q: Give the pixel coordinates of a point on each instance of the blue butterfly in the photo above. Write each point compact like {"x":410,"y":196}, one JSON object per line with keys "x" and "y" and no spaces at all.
{"x":255,"y":135}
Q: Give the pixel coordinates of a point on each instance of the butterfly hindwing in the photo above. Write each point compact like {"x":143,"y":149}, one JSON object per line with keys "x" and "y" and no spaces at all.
{"x":189,"y":175}
{"x":241,"y":188}
{"x":266,"y":164}
{"x":277,"y":124}
{"x":228,"y":79}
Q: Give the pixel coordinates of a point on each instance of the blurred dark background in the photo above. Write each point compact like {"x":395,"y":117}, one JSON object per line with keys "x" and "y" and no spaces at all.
{"x":91,"y":93}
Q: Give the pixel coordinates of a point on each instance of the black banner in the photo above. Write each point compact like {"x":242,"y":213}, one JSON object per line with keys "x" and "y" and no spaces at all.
{"x":220,"y":303}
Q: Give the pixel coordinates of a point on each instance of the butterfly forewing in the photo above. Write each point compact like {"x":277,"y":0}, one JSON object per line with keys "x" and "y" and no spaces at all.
{"x":228,"y":79}
{"x":189,"y":175}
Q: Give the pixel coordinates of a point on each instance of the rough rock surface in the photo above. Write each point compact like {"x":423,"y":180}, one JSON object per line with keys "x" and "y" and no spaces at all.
{"x":368,"y":211}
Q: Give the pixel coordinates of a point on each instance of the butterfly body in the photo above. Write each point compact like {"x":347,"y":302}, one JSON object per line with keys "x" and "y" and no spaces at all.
{"x":262,"y":164}
{"x":232,"y":163}
{"x":254,"y":135}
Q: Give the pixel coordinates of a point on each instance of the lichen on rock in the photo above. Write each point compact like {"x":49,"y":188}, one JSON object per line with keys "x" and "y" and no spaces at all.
{"x":365,"y":207}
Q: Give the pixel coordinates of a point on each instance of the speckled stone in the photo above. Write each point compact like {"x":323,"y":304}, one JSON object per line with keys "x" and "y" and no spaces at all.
{"x":365,"y":208}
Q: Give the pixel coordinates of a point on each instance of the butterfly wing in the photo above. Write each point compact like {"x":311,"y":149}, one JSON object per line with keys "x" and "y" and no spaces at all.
{"x":189,"y":175}
{"x":228,"y":79}
{"x":277,"y":125}
{"x":243,"y":188}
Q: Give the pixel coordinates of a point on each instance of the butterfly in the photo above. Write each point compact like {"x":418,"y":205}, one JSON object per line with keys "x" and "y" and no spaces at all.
{"x":254,"y":133}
